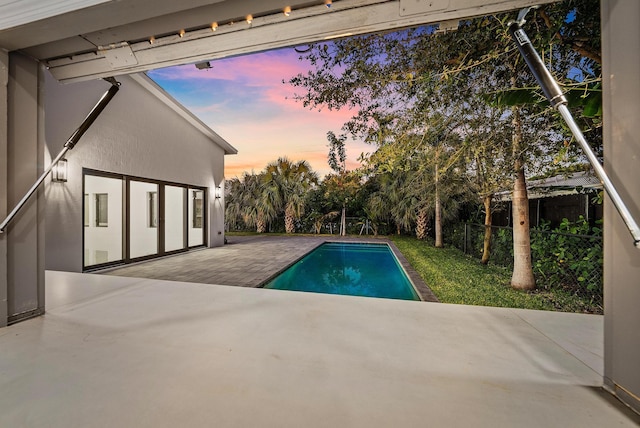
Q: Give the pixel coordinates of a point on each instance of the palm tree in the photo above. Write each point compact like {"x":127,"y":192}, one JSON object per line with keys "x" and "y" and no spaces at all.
{"x":233,"y":202}
{"x":246,"y":201}
{"x":284,"y":186}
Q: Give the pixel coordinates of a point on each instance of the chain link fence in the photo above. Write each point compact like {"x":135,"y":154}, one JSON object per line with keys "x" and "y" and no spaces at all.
{"x":560,"y":260}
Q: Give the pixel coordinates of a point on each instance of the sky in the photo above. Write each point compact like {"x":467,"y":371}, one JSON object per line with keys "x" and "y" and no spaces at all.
{"x":244,"y":101}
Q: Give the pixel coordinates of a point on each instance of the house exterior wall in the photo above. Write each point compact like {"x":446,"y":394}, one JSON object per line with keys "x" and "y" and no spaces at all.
{"x":621,"y":65}
{"x":136,"y":135}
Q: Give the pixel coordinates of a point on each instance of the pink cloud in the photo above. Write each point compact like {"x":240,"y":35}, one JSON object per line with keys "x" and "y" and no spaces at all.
{"x":260,"y":117}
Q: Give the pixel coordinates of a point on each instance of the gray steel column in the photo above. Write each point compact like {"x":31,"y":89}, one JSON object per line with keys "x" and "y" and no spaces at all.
{"x":4,"y":79}
{"x":621,"y":59}
{"x":24,"y":238}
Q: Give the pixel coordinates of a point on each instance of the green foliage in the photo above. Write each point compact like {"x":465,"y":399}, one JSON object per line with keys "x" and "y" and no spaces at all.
{"x":284,"y":186}
{"x":245,"y":205}
{"x":414,"y":90}
{"x":564,"y":260}
{"x":587,"y":97}
{"x":337,"y":153}
{"x":567,"y":261}
{"x":278,"y":193}
{"x":456,"y":278}
{"x":502,"y":247}
{"x":460,"y":279}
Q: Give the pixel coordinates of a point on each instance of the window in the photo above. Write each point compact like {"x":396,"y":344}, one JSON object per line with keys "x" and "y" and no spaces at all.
{"x":102,"y":209}
{"x":152,"y":209}
{"x":86,"y":210}
{"x":197,"y":209}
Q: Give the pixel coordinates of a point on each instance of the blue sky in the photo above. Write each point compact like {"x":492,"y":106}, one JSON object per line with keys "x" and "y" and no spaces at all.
{"x":244,"y":100}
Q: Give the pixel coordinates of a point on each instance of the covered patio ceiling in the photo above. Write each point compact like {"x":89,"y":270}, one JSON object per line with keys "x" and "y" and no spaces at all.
{"x":88,"y":39}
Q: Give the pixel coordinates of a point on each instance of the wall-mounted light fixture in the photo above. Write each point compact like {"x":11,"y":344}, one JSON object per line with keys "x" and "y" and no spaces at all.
{"x":59,"y":172}
{"x":287,"y":11}
{"x":218,"y":192}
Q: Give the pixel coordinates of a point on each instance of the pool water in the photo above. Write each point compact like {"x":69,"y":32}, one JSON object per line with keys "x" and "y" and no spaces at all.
{"x":354,"y":269}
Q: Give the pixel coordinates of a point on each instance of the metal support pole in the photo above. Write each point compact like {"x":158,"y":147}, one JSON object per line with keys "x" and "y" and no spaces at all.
{"x":558,"y":101}
{"x":70,"y":144}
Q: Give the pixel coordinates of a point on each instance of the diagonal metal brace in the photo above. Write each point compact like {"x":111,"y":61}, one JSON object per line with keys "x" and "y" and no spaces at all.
{"x":70,"y":144}
{"x":558,"y":101}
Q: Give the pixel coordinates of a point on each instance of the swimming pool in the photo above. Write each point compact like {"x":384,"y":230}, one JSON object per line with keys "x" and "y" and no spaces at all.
{"x":354,"y":269}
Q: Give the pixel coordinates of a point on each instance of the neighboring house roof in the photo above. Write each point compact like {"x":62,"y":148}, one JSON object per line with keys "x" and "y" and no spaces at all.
{"x":558,"y":185}
{"x":151,"y":86}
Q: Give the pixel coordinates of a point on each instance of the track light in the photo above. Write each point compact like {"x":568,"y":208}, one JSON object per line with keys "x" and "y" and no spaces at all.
{"x":286,"y":10}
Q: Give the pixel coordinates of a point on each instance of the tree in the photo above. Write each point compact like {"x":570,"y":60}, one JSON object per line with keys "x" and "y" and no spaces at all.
{"x":569,"y":53}
{"x":233,"y":203}
{"x":408,"y":73}
{"x":344,"y":184}
{"x":245,"y":202}
{"x":489,"y":162}
{"x":284,"y":186}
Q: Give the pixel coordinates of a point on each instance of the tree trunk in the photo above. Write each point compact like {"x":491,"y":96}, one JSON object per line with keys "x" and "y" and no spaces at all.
{"x":438,"y":212}
{"x":289,"y":220}
{"x":261,"y":225}
{"x":421,"y":224}
{"x":486,"y":248}
{"x":343,"y":222}
{"x":522,"y":277}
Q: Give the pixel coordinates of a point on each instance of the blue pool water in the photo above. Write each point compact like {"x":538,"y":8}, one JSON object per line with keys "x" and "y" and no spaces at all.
{"x":348,"y":268}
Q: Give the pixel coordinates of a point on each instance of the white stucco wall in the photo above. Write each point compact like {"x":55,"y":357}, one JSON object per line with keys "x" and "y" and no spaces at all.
{"x":136,"y":135}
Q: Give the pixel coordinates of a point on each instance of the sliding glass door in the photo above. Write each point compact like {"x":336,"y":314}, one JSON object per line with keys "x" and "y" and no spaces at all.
{"x":130,"y":219}
{"x":175,"y":218}
{"x":143,"y":219}
{"x":103,"y":225}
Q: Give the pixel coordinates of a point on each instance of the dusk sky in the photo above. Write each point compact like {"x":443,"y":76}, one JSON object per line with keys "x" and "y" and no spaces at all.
{"x":244,"y":100}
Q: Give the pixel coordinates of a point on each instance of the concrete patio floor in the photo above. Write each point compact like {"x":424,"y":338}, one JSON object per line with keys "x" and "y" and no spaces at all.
{"x":132,"y":352}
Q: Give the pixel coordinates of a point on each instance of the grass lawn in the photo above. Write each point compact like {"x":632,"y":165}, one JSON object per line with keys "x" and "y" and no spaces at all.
{"x":456,"y":278}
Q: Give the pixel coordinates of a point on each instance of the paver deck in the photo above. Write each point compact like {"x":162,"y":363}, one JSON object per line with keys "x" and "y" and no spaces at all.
{"x":247,"y":261}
